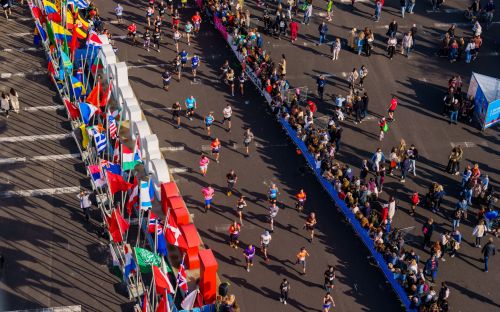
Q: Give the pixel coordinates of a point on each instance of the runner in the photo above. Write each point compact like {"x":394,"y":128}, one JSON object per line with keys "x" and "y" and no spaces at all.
{"x":234,"y":233}
{"x":240,"y":204}
{"x":231,"y":178}
{"x":309,"y":225}
{"x":301,"y":259}
{"x":230,"y":80}
{"x":204,"y":161}
{"x":392,"y":109}
{"x":329,"y":275}
{"x":190,"y":107}
{"x":272,"y":194}
{"x":176,"y":114}
{"x":156,"y":38}
{"x":166,"y":76}
{"x":284,"y":289}
{"x":265,"y":240}
{"x":384,"y":127}
{"x":176,"y":19}
{"x":177,"y":36}
{"x":170,"y":4}
{"x":146,"y":37}
{"x":178,"y":67}
{"x":161,"y":10}
{"x":273,"y":213}
{"x":242,"y":79}
{"x":188,"y":28}
{"x":132,"y":32}
{"x":184,"y":57}
{"x":196,"y":22}
{"x":209,"y":120}
{"x":119,"y":14}
{"x":208,"y":193}
{"x":328,"y":302}
{"x":149,"y":14}
{"x":247,"y":139}
{"x":249,"y":253}
{"x":227,"y":112}
{"x":215,"y":147}
{"x":301,"y":200}
{"x":415,"y":200}
{"x":195,"y":62}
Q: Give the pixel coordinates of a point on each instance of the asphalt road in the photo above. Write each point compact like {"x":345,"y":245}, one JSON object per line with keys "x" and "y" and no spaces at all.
{"x":418,"y":82}
{"x":52,"y":258}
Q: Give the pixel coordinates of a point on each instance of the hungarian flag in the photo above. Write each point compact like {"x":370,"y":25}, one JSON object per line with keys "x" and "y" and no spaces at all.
{"x":117,"y":225}
{"x":116,"y":183}
{"x":182,"y":278}
{"x":162,"y":282}
{"x":163,"y":305}
{"x":133,"y":197}
{"x":145,"y":259}
{"x":129,"y":159}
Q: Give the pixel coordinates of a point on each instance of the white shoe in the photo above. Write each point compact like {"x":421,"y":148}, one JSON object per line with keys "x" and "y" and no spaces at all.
{"x":284,"y":302}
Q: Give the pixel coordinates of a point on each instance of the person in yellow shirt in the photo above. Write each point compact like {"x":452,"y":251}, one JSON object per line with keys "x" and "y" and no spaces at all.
{"x":301,"y":258}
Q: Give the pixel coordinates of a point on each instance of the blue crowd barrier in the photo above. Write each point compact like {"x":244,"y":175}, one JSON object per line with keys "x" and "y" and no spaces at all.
{"x":398,"y":289}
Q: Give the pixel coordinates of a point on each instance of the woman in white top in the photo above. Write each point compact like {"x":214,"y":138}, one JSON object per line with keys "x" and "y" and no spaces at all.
{"x":14,"y":100}
{"x":4,"y":104}
{"x":406,"y":44}
{"x":479,"y":232}
{"x":471,"y":46}
{"x":336,"y":49}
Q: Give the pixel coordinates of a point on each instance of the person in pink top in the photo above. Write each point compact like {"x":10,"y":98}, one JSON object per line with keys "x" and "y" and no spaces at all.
{"x":392,"y":108}
{"x":208,"y":193}
{"x":204,"y":164}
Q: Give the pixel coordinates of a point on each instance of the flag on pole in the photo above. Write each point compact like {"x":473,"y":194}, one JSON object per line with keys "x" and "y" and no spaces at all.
{"x":129,"y":159}
{"x":145,"y":259}
{"x":111,"y":167}
{"x":78,"y":87}
{"x":66,"y":62}
{"x":100,"y":140}
{"x":137,"y":150}
{"x":96,"y":65}
{"x":112,"y":127}
{"x":133,"y":197}
{"x":50,"y":33}
{"x":116,"y":152}
{"x":49,"y":7}
{"x":163,"y":305}
{"x":85,"y":136}
{"x":117,"y":225}
{"x":87,"y":111}
{"x":116,"y":264}
{"x":161,"y":246}
{"x":73,"y":111}
{"x":60,"y":32}
{"x":129,"y":262}
{"x":41,"y":31}
{"x":173,"y":233}
{"x":92,"y":97}
{"x":116,"y":183}
{"x":182,"y":277}
{"x":162,"y":282}
{"x":106,"y":96}
{"x":97,"y":176}
{"x":145,"y":200}
{"x":84,"y":23}
{"x":190,"y":300}
{"x":144,"y":303}
{"x":153,"y":221}
{"x":93,"y":39}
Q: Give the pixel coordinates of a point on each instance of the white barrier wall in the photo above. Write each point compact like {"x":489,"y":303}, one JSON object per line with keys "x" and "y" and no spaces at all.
{"x":140,"y":129}
{"x":151,"y":150}
{"x":125,"y":92}
{"x":159,"y":175}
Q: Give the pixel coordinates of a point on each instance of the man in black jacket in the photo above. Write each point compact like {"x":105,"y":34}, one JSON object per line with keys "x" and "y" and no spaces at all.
{"x":488,"y":251}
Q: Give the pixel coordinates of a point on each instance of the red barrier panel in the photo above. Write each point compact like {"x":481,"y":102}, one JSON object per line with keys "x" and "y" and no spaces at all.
{"x":208,"y":275}
{"x":175,"y":202}
{"x":168,"y":189}
{"x":180,"y":215}
{"x":190,"y":234}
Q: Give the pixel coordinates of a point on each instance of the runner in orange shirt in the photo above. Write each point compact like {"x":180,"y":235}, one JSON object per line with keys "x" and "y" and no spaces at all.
{"x":234,"y":233}
{"x":215,"y":146}
{"x":301,"y":199}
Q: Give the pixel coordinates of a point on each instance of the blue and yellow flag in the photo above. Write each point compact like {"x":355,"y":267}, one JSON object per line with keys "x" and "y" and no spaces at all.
{"x":49,"y":7}
{"x":60,"y":32}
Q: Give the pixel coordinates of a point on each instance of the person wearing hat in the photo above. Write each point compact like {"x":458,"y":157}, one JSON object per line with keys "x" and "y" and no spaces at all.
{"x":265,"y":240}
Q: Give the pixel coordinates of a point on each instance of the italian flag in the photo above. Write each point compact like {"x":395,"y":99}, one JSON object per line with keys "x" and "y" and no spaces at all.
{"x":128,"y":160}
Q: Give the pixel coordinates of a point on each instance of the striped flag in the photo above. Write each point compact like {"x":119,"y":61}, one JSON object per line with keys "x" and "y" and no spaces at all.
{"x":182,"y":277}
{"x":144,"y":197}
{"x":100,"y":140}
{"x":112,"y":127}
{"x":81,"y":4}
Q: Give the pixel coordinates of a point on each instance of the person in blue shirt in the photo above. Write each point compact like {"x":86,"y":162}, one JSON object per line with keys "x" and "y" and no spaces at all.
{"x":321,"y":82}
{"x":209,"y":120}
{"x":273,"y":193}
{"x":323,"y":29}
{"x":190,"y":107}
{"x":195,"y":62}
{"x":184,"y":57}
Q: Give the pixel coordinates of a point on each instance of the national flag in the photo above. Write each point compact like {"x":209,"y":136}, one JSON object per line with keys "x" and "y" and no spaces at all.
{"x":189,"y":302}
{"x":96,"y":65}
{"x":66,"y":62}
{"x":162,"y":282}
{"x":129,"y":262}
{"x":128,"y":159}
{"x":74,"y":42}
{"x":54,"y":17}
{"x":81,"y":4}
{"x":144,"y":302}
{"x":153,"y":222}
{"x":107,"y":95}
{"x":87,"y":111}
{"x":116,"y":152}
{"x":161,"y":245}
{"x":145,"y":259}
{"x":182,"y":277}
{"x":84,"y":23}
{"x":117,"y":225}
{"x":133,"y":196}
{"x":116,"y":263}
{"x":145,"y":200}
{"x":93,"y":39}
{"x":85,"y":136}
{"x":152,"y":191}
{"x":50,"y":33}
{"x":163,"y":305}
{"x":113,"y":129}
{"x":70,"y":21}
{"x":97,"y":176}
{"x":116,"y":183}
{"x":137,"y":150}
{"x":111,"y":167}
{"x":79,"y":74}
{"x":73,"y":111}
{"x":37,"y":14}
{"x":77,"y":88}
{"x":173,"y":232}
{"x":49,"y":7}
{"x":59,"y":31}
{"x":41,"y":31}
{"x":95,"y":95}
{"x":100,"y":140}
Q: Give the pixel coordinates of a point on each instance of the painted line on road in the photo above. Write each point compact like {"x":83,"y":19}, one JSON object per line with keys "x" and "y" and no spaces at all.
{"x":32,"y":138}
{"x":443,"y":25}
{"x":19,"y":34}
{"x":447,"y":11}
{"x":43,"y":108}
{"x":469,"y":144}
{"x":224,"y":226}
{"x":13,"y":160}
{"x":147,"y":65}
{"x":178,"y":170}
{"x":19,"y":49}
{"x":172,"y":148}
{"x":34,"y":73}
{"x":40,"y":192}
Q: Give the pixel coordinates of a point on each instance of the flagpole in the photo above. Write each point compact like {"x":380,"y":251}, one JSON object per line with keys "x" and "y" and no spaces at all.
{"x":141,"y":215}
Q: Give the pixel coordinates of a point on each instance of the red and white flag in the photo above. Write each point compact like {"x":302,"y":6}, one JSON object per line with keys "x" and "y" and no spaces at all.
{"x":116,"y":151}
{"x":182,"y":278}
{"x":134,"y":196}
{"x":173,"y":232}
{"x":162,"y":282}
{"x":93,"y":39}
{"x":163,"y":305}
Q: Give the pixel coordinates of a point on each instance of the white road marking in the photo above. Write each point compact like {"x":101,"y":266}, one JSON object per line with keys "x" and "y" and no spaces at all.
{"x":19,"y":49}
{"x":40,"y":192}
{"x":172,"y":148}
{"x":206,"y":148}
{"x":32,"y":138}
{"x":469,"y":144}
{"x":178,"y":170}
{"x":224,"y":226}
{"x":446,"y":25}
{"x":43,"y":108}
{"x":13,"y":160}
{"x":147,"y":65}
{"x":10,"y":75}
{"x":447,"y":11}
{"x":120,"y":37}
{"x":19,"y":34}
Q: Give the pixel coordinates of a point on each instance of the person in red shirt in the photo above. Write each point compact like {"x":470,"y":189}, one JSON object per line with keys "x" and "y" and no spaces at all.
{"x":234,"y":233}
{"x":176,"y":19}
{"x":392,"y":108}
{"x":294,"y":30}
{"x":215,"y":146}
{"x":415,"y":200}
{"x":196,"y":21}
{"x":132,"y":32}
